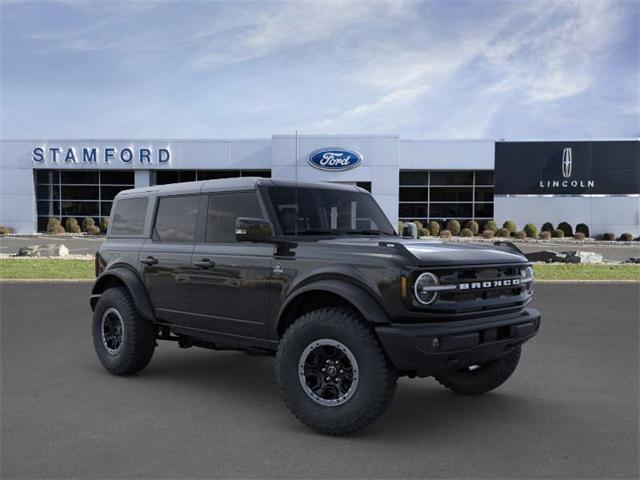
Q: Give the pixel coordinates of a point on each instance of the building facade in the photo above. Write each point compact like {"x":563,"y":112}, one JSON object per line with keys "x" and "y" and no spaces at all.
{"x":592,"y":182}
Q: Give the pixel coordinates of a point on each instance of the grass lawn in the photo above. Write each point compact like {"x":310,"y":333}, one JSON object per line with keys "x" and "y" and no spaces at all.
{"x":43,"y":269}
{"x":565,"y":271}
{"x":84,"y":269}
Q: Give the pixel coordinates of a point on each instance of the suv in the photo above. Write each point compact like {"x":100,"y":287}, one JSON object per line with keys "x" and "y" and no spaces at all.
{"x":314,"y":275}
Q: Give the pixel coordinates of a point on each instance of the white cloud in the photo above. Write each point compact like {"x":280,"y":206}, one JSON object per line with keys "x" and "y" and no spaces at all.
{"x":552,"y":58}
{"x":286,"y":25}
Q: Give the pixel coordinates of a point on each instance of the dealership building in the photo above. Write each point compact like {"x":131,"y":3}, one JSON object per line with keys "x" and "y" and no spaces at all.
{"x":596,"y":182}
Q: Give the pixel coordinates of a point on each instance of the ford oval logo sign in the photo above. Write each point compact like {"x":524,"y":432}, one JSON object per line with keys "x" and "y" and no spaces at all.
{"x":334,"y":159}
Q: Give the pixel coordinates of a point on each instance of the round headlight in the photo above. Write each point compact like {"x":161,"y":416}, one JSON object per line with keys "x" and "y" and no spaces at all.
{"x":425,"y":288}
{"x":527,"y":278}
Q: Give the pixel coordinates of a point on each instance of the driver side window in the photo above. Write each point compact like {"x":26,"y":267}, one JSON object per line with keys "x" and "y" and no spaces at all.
{"x":223,"y":211}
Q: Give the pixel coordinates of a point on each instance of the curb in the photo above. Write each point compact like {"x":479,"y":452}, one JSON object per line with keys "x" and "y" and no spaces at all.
{"x":47,"y":280}
{"x":538,"y":281}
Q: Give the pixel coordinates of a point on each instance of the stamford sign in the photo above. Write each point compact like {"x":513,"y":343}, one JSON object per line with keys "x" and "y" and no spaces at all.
{"x":334,"y":159}
{"x":94,"y":155}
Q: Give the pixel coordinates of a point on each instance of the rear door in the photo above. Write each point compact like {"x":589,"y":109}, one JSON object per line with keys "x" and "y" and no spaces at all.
{"x":166,"y":257}
{"x":230,"y":281}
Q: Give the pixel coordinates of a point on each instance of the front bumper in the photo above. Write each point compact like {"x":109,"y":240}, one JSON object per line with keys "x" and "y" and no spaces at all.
{"x":427,"y":348}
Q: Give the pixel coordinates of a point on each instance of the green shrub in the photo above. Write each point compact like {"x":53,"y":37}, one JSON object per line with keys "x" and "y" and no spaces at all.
{"x":425,"y":232}
{"x":566,"y":228}
{"x":488,"y":234}
{"x":400,"y":227}
{"x":93,"y":230}
{"x":419,"y":227}
{"x":434,"y":228}
{"x":57,"y":230}
{"x":71,"y":225}
{"x":511,"y":226}
{"x":473,"y":226}
{"x":88,"y":222}
{"x":466,"y":232}
{"x":453,"y":226}
{"x":557,"y":233}
{"x":531,"y":230}
{"x":547,"y":227}
{"x":52,"y":224}
{"x":545,"y":235}
{"x":521,"y":235}
{"x":104,"y":224}
{"x":583,"y":228}
{"x":445,"y":234}
{"x":608,"y":236}
{"x":491,"y":225}
{"x":4,"y":230}
{"x":626,"y":237}
{"x":503,"y":233}
{"x":579,"y":236}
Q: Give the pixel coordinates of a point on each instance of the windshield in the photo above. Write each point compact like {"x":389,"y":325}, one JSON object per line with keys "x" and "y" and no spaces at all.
{"x":320,"y":211}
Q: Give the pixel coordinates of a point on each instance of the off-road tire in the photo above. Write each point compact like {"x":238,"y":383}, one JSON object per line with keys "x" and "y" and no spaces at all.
{"x":139,"y":339}
{"x":377,"y":377}
{"x":489,"y":376}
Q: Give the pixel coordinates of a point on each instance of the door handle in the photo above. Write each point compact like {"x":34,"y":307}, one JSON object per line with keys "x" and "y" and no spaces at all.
{"x":204,"y":263}
{"x":149,"y":261}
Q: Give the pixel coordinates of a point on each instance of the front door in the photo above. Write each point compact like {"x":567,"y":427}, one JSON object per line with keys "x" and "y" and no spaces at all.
{"x":166,"y":258}
{"x":230,"y":281}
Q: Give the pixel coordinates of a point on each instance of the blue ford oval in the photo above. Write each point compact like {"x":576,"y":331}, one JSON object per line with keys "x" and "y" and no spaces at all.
{"x":334,"y":159}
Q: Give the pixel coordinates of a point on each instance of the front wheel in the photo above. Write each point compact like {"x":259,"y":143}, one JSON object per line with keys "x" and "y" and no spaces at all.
{"x":480,"y":378}
{"x":332,"y":372}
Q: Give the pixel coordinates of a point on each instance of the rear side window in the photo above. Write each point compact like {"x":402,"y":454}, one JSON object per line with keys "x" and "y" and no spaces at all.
{"x":176,"y":219}
{"x":224,"y":209}
{"x":128,"y":217}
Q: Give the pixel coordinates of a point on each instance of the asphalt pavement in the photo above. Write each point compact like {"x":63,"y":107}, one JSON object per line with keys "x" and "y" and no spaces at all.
{"x":570,"y":410}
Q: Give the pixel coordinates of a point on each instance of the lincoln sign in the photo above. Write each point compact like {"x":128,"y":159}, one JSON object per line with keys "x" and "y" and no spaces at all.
{"x":567,"y":168}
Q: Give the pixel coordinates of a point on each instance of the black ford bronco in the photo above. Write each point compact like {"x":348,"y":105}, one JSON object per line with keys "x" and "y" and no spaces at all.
{"x":315,"y":275}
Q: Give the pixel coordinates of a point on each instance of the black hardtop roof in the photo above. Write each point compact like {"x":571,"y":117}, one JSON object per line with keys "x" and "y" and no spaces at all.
{"x":231,"y":184}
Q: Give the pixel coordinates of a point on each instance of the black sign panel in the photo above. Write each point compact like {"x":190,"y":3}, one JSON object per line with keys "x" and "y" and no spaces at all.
{"x":552,"y":168}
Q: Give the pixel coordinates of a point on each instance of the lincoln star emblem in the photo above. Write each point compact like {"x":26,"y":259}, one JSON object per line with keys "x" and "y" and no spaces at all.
{"x":567,"y":160}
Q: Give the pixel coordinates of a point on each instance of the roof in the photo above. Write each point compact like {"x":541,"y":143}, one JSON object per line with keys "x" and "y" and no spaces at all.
{"x":231,"y":184}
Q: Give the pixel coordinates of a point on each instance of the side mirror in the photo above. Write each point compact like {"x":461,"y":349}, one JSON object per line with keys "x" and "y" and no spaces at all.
{"x":410,"y":230}
{"x":253,"y":230}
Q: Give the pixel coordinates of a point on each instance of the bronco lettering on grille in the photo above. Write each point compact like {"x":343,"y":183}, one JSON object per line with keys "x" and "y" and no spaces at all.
{"x":509,"y":282}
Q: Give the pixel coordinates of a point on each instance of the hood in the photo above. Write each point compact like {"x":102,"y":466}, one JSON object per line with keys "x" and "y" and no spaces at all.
{"x":437,"y":253}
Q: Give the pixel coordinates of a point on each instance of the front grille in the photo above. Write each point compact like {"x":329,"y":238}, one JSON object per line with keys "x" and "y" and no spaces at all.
{"x":481,"y":290}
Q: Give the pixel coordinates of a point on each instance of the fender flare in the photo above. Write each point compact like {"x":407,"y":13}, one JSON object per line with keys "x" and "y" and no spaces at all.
{"x":133,"y":282}
{"x":363,"y":301}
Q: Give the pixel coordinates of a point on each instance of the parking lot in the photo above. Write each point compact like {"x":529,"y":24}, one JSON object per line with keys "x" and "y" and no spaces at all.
{"x":569,"y":411}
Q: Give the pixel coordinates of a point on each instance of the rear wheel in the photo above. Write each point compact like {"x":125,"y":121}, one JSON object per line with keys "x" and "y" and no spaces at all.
{"x":479,"y":379}
{"x":332,"y":372}
{"x":123,"y":340}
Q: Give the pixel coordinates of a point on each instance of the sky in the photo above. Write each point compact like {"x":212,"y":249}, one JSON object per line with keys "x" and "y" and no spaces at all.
{"x":420,"y":70}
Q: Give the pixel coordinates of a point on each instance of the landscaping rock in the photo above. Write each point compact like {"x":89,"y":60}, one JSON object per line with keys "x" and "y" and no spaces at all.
{"x":632,"y":260}
{"x":546,"y":256}
{"x":583,"y":257}
{"x":52,"y":250}
{"x":30,"y":251}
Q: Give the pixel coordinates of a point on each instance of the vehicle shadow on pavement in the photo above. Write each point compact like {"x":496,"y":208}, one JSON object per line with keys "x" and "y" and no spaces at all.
{"x":247,"y":381}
